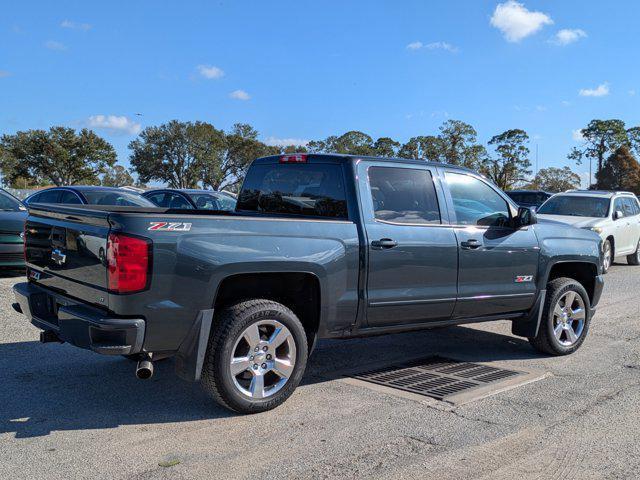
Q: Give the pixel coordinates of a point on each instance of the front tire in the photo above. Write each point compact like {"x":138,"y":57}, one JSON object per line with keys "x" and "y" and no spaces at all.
{"x":256,"y":356}
{"x":565,"y":318}
{"x":607,"y":256}
{"x":634,"y":258}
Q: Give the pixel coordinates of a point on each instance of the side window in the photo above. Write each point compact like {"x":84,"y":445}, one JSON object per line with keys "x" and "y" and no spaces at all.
{"x":48,"y":196}
{"x":636,"y":207}
{"x":177,"y":201}
{"x":629,"y":204}
{"x":69,"y":197}
{"x":618,"y":206}
{"x":475,"y":202}
{"x":159,"y":199}
{"x":403,"y":195}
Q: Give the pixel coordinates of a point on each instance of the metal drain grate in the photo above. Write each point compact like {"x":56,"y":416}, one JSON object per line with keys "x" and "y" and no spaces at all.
{"x":439,"y":377}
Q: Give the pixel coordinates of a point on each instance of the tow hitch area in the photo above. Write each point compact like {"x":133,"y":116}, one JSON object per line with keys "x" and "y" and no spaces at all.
{"x":452,"y":381}
{"x":49,"y":336}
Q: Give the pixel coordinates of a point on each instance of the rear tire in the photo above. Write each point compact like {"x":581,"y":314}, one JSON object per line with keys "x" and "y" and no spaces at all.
{"x":256,"y":356}
{"x":634,"y":258}
{"x":565,"y":318}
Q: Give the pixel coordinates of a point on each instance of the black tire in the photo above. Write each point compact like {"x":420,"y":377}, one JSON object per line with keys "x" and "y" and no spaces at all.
{"x":217,"y":380}
{"x":545,"y":341}
{"x":634,"y":258}
{"x":607,"y":246}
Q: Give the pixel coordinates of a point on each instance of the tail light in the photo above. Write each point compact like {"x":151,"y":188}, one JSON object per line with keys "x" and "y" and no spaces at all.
{"x":128,"y":263}
{"x":295,"y":158}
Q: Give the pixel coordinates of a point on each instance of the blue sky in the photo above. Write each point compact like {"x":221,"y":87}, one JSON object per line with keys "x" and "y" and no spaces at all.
{"x":305,"y":70}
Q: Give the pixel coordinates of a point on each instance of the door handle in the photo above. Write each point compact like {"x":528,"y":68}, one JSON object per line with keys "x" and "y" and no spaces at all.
{"x":384,"y":243}
{"x":470,"y":244}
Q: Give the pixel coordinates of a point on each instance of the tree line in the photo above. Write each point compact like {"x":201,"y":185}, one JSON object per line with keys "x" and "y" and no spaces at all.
{"x":196,"y":154}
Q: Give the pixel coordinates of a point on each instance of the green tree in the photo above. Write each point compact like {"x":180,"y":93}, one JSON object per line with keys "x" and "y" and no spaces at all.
{"x":385,"y":147}
{"x":554,"y":179}
{"x":620,"y":171}
{"x":427,"y":147}
{"x":350,"y":143}
{"x":118,"y":176}
{"x":600,"y":138}
{"x":59,"y":156}
{"x":510,"y":165}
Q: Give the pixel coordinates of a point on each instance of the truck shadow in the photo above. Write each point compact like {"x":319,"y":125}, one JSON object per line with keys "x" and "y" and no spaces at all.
{"x":54,"y":387}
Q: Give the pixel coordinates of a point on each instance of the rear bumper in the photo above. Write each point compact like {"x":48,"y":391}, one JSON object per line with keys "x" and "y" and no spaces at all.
{"x":79,"y":324}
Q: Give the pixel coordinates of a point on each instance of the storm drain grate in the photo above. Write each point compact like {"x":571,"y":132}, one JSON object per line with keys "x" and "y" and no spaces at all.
{"x":439,"y":377}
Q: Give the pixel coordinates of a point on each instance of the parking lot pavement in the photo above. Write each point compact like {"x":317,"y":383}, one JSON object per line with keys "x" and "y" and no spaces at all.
{"x":67,"y":413}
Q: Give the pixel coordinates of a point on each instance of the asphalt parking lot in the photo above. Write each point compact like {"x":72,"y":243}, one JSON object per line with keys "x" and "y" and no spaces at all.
{"x":67,"y":413}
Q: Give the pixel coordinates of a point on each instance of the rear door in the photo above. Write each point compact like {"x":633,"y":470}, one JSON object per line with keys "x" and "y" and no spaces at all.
{"x":497,"y":263}
{"x":623,"y":234}
{"x":411,"y":248}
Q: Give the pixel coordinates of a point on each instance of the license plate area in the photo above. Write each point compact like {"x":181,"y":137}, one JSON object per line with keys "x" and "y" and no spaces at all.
{"x":44,"y":307}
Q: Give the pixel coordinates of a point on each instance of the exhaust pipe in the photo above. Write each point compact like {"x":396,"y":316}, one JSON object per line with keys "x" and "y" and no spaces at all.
{"x":144,"y":370}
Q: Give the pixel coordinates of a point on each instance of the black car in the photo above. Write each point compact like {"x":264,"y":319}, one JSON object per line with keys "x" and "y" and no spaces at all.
{"x":89,"y":195}
{"x":529,"y":198}
{"x":12,"y":217}
{"x":191,"y":199}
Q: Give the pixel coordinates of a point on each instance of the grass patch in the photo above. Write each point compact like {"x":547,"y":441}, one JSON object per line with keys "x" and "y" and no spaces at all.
{"x":169,"y":463}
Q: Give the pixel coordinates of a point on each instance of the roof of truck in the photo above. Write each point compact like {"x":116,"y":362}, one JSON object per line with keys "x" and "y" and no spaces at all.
{"x":341,"y":158}
{"x":596,"y":193}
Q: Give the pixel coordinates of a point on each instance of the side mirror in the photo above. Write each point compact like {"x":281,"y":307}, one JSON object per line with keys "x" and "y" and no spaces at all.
{"x":617,"y":215}
{"x":526,"y":216}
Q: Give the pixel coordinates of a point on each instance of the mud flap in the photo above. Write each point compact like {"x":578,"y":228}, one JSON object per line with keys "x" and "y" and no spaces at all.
{"x":190,"y":356}
{"x":529,"y":325}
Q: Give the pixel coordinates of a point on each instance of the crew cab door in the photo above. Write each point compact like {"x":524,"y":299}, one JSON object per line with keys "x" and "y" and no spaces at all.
{"x":411,"y":249}
{"x":626,"y":227}
{"x":498,"y":264}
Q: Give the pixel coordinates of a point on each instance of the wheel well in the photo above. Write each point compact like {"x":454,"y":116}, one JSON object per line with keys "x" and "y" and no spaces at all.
{"x":613,"y":246}
{"x":582,"y":272}
{"x":298,"y":291}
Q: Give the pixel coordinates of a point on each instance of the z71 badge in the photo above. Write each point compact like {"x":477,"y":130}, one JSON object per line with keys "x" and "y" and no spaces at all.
{"x":169,"y":226}
{"x":524,"y":278}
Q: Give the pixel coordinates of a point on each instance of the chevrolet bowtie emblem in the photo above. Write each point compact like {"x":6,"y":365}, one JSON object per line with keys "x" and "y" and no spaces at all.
{"x":58,"y":257}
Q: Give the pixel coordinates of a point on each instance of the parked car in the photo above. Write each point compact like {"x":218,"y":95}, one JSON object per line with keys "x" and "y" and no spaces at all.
{"x":12,"y":217}
{"x":615,"y":216}
{"x":529,"y":198}
{"x":191,"y":199}
{"x":320,"y":246}
{"x":89,"y":195}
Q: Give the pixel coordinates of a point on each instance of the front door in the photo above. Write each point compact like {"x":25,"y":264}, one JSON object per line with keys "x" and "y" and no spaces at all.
{"x":412,"y":251}
{"x":497,"y":263}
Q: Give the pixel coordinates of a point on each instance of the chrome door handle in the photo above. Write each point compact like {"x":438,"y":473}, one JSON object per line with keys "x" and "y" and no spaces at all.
{"x":470,"y":244}
{"x":384,"y":243}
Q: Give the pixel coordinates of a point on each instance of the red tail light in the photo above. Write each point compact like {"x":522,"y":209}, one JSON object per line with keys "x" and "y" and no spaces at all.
{"x":128,"y":263}
{"x":296,"y":158}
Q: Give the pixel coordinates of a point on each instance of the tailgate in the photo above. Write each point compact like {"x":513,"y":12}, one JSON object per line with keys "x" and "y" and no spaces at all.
{"x":66,"y":249}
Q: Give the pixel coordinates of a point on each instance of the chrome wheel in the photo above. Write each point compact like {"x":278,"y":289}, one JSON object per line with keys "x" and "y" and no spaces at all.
{"x":606,"y":256}
{"x":263,"y":359}
{"x":569,"y":316}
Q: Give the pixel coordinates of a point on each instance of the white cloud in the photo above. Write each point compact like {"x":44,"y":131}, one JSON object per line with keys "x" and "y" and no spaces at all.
{"x":53,"y":45}
{"x":631,"y":92}
{"x":433,"y":46}
{"x":566,"y":36}
{"x":285,"y":142}
{"x":565,"y":103}
{"x":240,"y":95}
{"x":75,"y":26}
{"x":577,"y":135}
{"x":601,"y":90}
{"x":516,"y":22}
{"x":541,"y":108}
{"x":209,"y":71}
{"x":115,"y":123}
{"x":4,"y":73}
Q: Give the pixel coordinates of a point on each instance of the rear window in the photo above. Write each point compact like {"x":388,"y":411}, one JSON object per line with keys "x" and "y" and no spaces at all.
{"x":315,"y":190}
{"x":576,"y":206}
{"x":111,"y":197}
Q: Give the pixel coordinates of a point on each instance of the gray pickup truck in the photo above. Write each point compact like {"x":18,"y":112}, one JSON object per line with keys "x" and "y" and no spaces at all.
{"x":319,"y":246}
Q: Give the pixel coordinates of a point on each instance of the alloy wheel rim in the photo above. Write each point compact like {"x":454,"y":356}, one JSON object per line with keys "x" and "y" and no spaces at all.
{"x":569,"y":317}
{"x":263,"y":359}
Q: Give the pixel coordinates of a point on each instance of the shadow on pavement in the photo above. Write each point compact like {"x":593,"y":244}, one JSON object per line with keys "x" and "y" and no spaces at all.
{"x":52,"y":387}
{"x":11,"y":272}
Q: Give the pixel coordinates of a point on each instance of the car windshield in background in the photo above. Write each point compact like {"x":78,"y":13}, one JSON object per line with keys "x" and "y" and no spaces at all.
{"x":206,"y":201}
{"x":312,"y":189}
{"x":576,"y":206}
{"x":9,"y":204}
{"x":110,"y":197}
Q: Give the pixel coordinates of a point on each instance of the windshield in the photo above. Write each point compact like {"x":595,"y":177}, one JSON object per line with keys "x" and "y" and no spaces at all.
{"x":207,"y":201}
{"x":114,"y":197}
{"x":576,"y":206}
{"x":8,"y":203}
